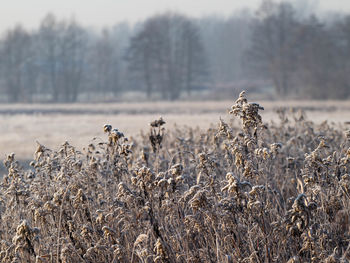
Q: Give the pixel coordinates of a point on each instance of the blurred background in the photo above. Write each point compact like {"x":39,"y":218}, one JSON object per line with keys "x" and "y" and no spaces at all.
{"x":67,"y":67}
{"x":83,"y":51}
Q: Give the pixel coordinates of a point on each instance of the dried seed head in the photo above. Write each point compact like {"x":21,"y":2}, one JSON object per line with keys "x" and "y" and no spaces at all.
{"x":176,"y":169}
{"x":107,"y":128}
{"x":347,"y":134}
{"x":157,"y":123}
{"x":141,"y":239}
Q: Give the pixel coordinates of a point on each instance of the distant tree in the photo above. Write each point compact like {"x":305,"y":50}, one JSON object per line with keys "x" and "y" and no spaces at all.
{"x":31,"y":70}
{"x":225,"y":40}
{"x":104,"y":58}
{"x":73,"y":54}
{"x":194,"y":55}
{"x":274,"y":44}
{"x":139,"y":59}
{"x":50,"y":38}
{"x":63,"y":49}
{"x":316,"y":61}
{"x":16,"y":59}
{"x":168,"y":53}
{"x":340,"y":32}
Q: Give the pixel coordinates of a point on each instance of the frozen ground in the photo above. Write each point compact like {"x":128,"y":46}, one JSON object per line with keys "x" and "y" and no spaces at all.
{"x":24,"y":124}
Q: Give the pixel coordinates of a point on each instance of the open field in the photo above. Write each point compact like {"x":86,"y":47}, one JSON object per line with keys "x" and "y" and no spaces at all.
{"x":24,"y":124}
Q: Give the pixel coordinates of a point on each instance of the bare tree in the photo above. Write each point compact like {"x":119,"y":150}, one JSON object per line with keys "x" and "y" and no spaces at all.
{"x":104,"y":60}
{"x":274,"y":44}
{"x":72,"y":53}
{"x":168,"y":52}
{"x":50,"y":38}
{"x":226,"y":40}
{"x":316,"y":62}
{"x":340,"y":34}
{"x":63,"y":48}
{"x":16,"y":57}
{"x":139,"y":58}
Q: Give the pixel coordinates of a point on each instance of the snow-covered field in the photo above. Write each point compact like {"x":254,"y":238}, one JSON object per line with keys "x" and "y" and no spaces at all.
{"x":24,"y":124}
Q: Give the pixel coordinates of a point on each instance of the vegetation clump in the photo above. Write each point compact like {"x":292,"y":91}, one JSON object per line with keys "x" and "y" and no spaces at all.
{"x":256,"y":193}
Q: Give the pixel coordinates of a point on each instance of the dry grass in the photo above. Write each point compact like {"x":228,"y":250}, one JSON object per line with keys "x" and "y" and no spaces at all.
{"x":241,"y":191}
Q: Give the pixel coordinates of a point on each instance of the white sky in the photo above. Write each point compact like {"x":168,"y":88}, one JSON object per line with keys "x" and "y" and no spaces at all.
{"x":99,"y":13}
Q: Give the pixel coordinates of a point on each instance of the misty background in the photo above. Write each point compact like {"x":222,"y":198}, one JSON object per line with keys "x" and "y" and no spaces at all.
{"x":276,"y":50}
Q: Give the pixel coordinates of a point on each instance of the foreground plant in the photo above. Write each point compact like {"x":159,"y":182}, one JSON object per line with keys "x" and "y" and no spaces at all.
{"x":256,"y":193}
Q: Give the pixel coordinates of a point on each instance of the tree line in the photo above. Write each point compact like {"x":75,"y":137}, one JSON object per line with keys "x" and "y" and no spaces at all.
{"x":63,"y":60}
{"x":278,"y":48}
{"x":302,"y":56}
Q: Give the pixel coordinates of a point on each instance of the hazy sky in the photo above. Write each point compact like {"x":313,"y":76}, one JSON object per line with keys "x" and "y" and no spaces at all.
{"x":107,"y":12}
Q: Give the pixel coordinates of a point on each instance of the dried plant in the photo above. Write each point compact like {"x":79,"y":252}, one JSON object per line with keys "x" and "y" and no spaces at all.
{"x":276,"y":192}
